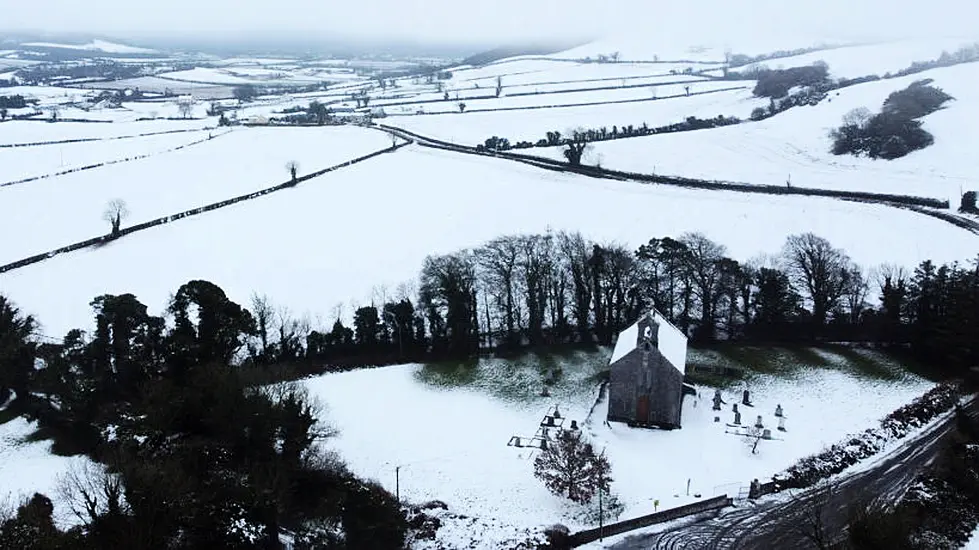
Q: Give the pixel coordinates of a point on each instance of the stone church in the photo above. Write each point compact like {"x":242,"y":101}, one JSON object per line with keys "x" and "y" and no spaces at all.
{"x":647,"y":370}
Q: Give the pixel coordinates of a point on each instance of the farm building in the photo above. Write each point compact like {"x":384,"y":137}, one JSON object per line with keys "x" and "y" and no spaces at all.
{"x":647,"y":369}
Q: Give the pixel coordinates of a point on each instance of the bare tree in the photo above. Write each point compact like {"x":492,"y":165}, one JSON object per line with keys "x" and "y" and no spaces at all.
{"x":264,"y":313}
{"x":462,"y":107}
{"x":115,"y":212}
{"x":752,"y":436}
{"x":293,"y":167}
{"x":497,"y":262}
{"x":811,"y":520}
{"x":186,"y":107}
{"x":576,"y":147}
{"x":855,"y":290}
{"x":858,"y":117}
{"x":90,"y":492}
{"x":819,"y":269}
{"x":499,"y":86}
{"x":574,"y":257}
{"x":704,"y":265}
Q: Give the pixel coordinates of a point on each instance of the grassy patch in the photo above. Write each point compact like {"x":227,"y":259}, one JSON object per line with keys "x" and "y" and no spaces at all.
{"x":567,"y":375}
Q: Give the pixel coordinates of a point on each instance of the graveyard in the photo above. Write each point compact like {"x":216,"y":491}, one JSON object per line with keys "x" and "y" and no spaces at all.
{"x":480,"y":461}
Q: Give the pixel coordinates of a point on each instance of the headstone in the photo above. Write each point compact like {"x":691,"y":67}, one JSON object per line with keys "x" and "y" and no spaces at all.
{"x":717,"y":419}
{"x":781,"y":424}
{"x":778,"y":410}
{"x":574,"y":424}
{"x":717,"y":400}
{"x":746,"y":399}
{"x":737,"y":418}
{"x":766,"y":434}
{"x":758,"y":423}
{"x":734,"y":407}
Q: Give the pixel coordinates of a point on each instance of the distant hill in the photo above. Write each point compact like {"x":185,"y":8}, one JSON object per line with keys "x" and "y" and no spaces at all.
{"x":513,"y":51}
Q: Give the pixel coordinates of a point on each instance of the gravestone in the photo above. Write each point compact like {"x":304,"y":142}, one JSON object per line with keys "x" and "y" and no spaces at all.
{"x":574,"y":424}
{"x":737,"y":418}
{"x":781,"y":424}
{"x":717,"y":400}
{"x":778,"y":410}
{"x":758,"y":423}
{"x":734,"y":407}
{"x":766,"y":434}
{"x":717,"y":419}
{"x":746,"y":399}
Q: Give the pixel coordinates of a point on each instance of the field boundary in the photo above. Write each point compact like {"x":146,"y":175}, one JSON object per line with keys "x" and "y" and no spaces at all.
{"x":559,"y":106}
{"x":110,"y":138}
{"x":902,"y":201}
{"x":111,"y":162}
{"x":105,"y":239}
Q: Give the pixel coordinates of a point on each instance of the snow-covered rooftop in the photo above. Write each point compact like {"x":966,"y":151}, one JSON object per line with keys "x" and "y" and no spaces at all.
{"x":672,"y":342}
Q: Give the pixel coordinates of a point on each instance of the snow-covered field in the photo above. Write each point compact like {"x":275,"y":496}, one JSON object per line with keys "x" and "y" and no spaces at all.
{"x":28,"y":467}
{"x":452,"y":443}
{"x":94,"y":45}
{"x":385,"y":206}
{"x":863,"y":60}
{"x":795,"y":146}
{"x":25,"y":162}
{"x":533,"y":125}
{"x":36,"y":131}
{"x":54,"y":212}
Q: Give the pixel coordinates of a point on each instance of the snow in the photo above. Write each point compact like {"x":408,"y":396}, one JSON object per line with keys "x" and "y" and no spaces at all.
{"x":625,"y":343}
{"x":37,"y":131}
{"x":472,"y":128}
{"x":388,"y":200}
{"x":29,"y":467}
{"x":25,"y":162}
{"x":472,"y":426}
{"x":58,"y":211}
{"x":973,"y":543}
{"x":671,"y":342}
{"x":205,"y":75}
{"x":795,"y":144}
{"x":94,"y":45}
{"x":864,"y":60}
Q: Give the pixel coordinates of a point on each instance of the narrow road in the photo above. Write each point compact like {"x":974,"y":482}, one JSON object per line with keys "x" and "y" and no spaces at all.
{"x":789,"y":522}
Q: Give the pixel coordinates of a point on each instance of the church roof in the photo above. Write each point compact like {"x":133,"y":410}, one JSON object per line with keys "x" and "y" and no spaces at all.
{"x":672,"y":342}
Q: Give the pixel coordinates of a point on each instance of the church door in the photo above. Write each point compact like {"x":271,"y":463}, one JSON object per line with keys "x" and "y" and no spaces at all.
{"x":642,"y":409}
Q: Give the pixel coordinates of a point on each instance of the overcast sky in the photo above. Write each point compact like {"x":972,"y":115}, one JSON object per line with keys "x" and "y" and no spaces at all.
{"x":495,"y":21}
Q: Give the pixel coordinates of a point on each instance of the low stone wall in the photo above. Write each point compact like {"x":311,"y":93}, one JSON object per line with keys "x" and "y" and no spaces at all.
{"x":716,"y":503}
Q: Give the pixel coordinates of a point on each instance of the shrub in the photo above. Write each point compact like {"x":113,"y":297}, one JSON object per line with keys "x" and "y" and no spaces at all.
{"x":917,"y":100}
{"x":897,"y":425}
{"x":895,"y":131}
{"x":777,"y":83}
{"x":969,"y":203}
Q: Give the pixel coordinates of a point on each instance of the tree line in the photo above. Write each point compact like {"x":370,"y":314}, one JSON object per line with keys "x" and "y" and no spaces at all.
{"x":526,"y":291}
{"x":556,"y":139}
